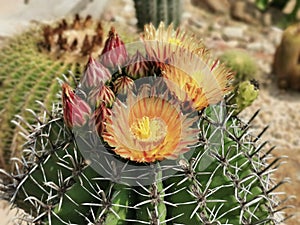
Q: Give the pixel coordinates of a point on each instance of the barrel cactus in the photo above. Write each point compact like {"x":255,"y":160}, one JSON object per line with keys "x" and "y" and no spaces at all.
{"x":286,"y":59}
{"x":156,"y":11}
{"x":241,"y":63}
{"x":145,"y":138}
{"x":30,"y":64}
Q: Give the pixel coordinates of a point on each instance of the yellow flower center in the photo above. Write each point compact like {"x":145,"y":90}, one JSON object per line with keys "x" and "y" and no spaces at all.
{"x":175,"y":41}
{"x":149,"y":129}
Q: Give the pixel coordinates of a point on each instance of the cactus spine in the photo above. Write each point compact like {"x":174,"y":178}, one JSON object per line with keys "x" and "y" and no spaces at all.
{"x":77,"y":173}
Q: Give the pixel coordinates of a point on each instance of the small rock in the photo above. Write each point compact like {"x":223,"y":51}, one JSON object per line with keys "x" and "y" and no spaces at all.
{"x":245,"y":11}
{"x":132,"y":21}
{"x":186,"y":15}
{"x":198,"y":23}
{"x":119,"y":19}
{"x":215,"y":6}
{"x":275,"y":35}
{"x":263,"y":46}
{"x":128,"y":9}
{"x":216,"y":35}
{"x":265,"y":67}
{"x":234,"y":32}
{"x":216,"y":26}
{"x":232,"y":43}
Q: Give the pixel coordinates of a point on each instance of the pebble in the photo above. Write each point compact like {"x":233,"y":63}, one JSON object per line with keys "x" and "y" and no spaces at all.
{"x":264,"y":46}
{"x":275,"y":35}
{"x":232,"y":43}
{"x":198,"y":23}
{"x":234,"y":32}
{"x":216,"y":26}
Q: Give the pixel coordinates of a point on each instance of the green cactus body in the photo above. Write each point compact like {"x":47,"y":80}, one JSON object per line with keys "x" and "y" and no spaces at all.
{"x":151,"y":205}
{"x":155,"y":11}
{"x":245,"y":85}
{"x":75,"y":172}
{"x":120,"y":205}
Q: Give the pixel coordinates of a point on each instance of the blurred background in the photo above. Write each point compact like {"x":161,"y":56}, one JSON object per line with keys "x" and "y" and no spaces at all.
{"x":252,"y":30}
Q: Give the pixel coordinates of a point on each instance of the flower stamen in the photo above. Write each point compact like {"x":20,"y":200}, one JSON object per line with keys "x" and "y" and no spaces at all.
{"x":149,"y":129}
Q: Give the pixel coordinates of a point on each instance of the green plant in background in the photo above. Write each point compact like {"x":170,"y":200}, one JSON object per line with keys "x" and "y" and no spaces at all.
{"x":245,"y":69}
{"x":155,"y":11}
{"x":241,"y":63}
{"x":286,"y":59}
{"x":279,"y":4}
{"x":157,"y":155}
{"x":29,"y":67}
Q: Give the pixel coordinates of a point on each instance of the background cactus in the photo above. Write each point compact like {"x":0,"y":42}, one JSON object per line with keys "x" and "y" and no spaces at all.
{"x":27,"y":76}
{"x":227,"y":179}
{"x":246,"y":88}
{"x":241,"y":63}
{"x":30,"y":65}
{"x":286,"y":60}
{"x":155,"y":11}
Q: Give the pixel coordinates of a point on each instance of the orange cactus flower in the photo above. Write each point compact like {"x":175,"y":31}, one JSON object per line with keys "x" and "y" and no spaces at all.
{"x":150,"y":127}
{"x":76,"y":111}
{"x":190,"y":72}
{"x":160,"y":43}
{"x":196,"y":78}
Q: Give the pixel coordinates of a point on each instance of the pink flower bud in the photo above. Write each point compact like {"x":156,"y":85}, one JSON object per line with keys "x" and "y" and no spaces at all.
{"x":138,"y":66}
{"x":76,"y":111}
{"x":114,"y":53}
{"x":123,"y":84}
{"x":101,"y":94}
{"x":95,"y":74}
{"x":99,"y":118}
